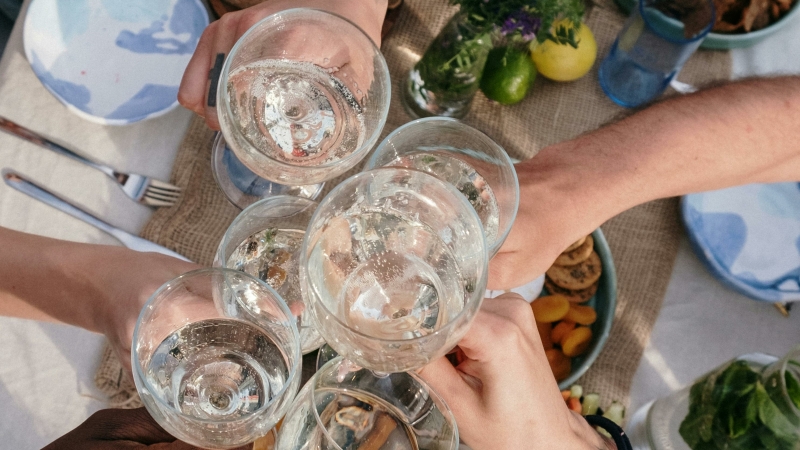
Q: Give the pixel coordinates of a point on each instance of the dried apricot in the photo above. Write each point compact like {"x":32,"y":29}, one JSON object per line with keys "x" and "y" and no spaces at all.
{"x":545,"y":328}
{"x":550,"y":308}
{"x":559,"y":364}
{"x":583,"y":315}
{"x":576,"y":341}
{"x":560,"y":330}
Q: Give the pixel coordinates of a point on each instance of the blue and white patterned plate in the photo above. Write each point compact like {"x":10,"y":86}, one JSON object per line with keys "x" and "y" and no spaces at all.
{"x":749,"y":237}
{"x":113,"y":62}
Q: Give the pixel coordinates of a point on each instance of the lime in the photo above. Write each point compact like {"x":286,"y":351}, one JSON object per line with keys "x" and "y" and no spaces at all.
{"x":562,"y":62}
{"x":508,"y":74}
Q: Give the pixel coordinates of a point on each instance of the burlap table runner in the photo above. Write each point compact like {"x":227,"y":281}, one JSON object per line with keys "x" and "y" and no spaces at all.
{"x":643,"y":240}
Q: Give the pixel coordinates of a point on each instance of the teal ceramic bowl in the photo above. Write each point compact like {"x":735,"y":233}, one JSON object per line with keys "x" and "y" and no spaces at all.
{"x":605,"y":303}
{"x":722,"y":41}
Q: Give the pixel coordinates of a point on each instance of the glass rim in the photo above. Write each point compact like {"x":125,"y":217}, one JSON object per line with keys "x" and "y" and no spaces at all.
{"x":221,"y":260}
{"x":699,"y":37}
{"x":139,"y":371}
{"x":473,"y":299}
{"x":501,"y":237}
{"x":783,"y":369}
{"x":446,"y":411}
{"x":357,"y":154}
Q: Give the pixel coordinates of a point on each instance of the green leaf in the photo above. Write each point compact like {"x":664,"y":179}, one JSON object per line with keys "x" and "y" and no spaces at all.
{"x":771,"y":416}
{"x":696,"y":427}
{"x":792,"y":388}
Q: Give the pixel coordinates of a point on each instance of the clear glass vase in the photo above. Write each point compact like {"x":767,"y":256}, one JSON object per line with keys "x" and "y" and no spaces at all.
{"x":447,"y":77}
{"x":750,"y":402}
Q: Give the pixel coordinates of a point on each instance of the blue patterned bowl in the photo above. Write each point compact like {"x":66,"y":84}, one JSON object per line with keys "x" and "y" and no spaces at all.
{"x":749,"y":237}
{"x":113,"y":62}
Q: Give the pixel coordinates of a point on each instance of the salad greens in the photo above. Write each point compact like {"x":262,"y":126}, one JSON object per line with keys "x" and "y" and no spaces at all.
{"x":736,"y":409}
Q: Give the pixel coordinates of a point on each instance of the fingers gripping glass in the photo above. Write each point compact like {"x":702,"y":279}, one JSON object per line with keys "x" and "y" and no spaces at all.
{"x":216,"y":358}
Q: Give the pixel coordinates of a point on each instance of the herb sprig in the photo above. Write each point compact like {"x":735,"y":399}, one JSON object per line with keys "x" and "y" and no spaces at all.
{"x":526,"y":19}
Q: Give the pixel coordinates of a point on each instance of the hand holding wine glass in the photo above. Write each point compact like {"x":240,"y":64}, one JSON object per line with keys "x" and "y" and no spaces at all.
{"x":221,"y":35}
{"x":503,"y":393}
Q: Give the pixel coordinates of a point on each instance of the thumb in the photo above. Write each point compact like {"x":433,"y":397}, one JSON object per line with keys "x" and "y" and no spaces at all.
{"x":460,"y":391}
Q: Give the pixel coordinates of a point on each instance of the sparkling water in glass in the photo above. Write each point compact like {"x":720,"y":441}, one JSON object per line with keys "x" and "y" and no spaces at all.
{"x":394,"y":267}
{"x":303,"y":96}
{"x":464,"y":157}
{"x":216,"y":358}
{"x":265,"y":241}
{"x":348,"y":408}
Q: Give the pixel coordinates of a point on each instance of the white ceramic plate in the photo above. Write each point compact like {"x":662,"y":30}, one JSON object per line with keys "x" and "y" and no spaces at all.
{"x":113,"y":62}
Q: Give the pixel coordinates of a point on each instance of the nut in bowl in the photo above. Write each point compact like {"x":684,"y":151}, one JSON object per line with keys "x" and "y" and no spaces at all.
{"x":575,"y":311}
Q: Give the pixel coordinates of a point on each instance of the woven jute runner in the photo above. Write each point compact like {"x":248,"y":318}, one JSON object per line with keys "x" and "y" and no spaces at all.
{"x":643,"y":240}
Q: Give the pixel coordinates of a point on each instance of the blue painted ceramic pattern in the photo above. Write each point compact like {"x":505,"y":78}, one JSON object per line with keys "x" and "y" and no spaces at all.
{"x":113,"y":62}
{"x":749,"y":237}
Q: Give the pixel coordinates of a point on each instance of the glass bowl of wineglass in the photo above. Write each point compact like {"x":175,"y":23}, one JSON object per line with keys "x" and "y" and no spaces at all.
{"x":464,"y":157}
{"x":346,"y":407}
{"x":394,"y":267}
{"x":216,"y":357}
{"x":264,"y":241}
{"x":302,"y":97}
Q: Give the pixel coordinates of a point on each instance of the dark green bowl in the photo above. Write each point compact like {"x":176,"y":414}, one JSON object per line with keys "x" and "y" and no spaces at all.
{"x":605,"y":303}
{"x":722,"y":41}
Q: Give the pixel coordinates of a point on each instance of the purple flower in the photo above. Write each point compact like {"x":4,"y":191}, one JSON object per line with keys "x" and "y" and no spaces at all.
{"x":523,"y":22}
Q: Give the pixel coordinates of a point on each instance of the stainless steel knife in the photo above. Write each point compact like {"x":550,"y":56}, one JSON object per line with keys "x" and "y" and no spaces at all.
{"x":20,"y":183}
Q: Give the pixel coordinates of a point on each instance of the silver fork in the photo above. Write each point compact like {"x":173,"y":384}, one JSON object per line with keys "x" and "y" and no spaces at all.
{"x":143,"y":189}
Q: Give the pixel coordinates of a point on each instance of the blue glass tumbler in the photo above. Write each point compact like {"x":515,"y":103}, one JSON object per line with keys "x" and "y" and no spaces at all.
{"x":655,"y":42}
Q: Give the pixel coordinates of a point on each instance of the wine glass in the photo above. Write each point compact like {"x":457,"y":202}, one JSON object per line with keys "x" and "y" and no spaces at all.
{"x":302,"y":97}
{"x":464,"y":157}
{"x":216,"y":357}
{"x":264,"y":241}
{"x":348,"y":408}
{"x":394,"y":267}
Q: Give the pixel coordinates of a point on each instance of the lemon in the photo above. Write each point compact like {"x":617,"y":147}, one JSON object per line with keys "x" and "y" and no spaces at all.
{"x":508,"y":74}
{"x":562,"y":62}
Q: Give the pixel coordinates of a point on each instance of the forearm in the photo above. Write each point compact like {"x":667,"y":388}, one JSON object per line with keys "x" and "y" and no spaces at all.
{"x":48,"y":279}
{"x":736,"y":134}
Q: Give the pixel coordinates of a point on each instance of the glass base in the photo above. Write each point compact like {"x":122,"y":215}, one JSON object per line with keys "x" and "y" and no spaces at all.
{"x":242,"y":187}
{"x":419,"y":102}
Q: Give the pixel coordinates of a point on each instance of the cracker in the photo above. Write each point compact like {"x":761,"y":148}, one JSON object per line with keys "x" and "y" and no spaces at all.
{"x":575,"y":244}
{"x":574,"y":296}
{"x":579,"y":276}
{"x":577,"y":255}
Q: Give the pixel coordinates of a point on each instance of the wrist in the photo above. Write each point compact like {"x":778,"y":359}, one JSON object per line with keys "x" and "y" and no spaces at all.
{"x":573,"y":189}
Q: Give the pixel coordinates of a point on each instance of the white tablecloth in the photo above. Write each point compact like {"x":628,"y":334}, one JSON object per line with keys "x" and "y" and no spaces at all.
{"x":47,"y":370}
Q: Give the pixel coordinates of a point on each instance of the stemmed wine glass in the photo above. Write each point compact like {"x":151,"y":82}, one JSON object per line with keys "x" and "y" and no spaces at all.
{"x":302,"y":97}
{"x":216,"y":357}
{"x":394,"y":267}
{"x":362,"y":410}
{"x":265,"y":241}
{"x":464,"y":157}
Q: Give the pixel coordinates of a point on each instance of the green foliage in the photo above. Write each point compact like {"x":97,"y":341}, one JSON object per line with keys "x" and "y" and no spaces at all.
{"x":488,"y":15}
{"x":733,"y":410}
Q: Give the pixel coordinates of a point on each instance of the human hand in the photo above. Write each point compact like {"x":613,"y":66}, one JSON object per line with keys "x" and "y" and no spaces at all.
{"x":124,"y":280}
{"x":114,"y":429}
{"x":502,"y":392}
{"x":221,"y":35}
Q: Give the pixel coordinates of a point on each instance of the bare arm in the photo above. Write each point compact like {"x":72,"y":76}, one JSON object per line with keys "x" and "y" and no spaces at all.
{"x":740,"y":133}
{"x":96,"y":287}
